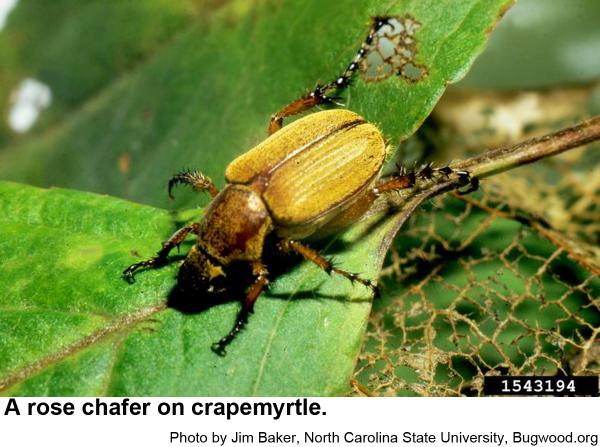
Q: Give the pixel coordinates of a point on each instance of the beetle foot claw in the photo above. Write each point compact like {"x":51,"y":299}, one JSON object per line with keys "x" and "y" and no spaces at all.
{"x":473,"y":185}
{"x":219,"y":348}
{"x":380,"y":21}
{"x":129,"y":271}
{"x":376,"y":291}
{"x":128,"y":276}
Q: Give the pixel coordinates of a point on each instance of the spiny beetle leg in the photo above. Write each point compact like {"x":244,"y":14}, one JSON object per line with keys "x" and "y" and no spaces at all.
{"x":196,"y":180}
{"x":473,"y":185}
{"x":260,"y":272}
{"x":464,"y":177}
{"x":155,"y":261}
{"x":402,"y":180}
{"x":161,"y":257}
{"x":289,"y":245}
{"x":427,"y":172}
{"x":322,"y":93}
{"x":445,"y":171}
{"x":220,"y":346}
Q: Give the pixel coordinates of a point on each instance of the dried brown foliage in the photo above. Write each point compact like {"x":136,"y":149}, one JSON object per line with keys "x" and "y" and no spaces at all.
{"x":503,"y":281}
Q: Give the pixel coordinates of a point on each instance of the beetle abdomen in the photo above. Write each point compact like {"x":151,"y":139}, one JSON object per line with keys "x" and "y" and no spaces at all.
{"x":314,"y":167}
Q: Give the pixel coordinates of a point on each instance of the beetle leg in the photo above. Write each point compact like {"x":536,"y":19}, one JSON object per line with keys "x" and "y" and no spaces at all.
{"x":402,"y":181}
{"x":405,"y":180}
{"x":473,"y":185}
{"x":322,"y":93}
{"x":196,"y":180}
{"x":464,"y":177}
{"x":288,"y":245}
{"x":260,"y":272}
{"x":161,"y":257}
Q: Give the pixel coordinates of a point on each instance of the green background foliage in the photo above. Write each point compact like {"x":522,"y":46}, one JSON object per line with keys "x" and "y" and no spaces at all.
{"x":542,"y":43}
{"x":194,"y":86}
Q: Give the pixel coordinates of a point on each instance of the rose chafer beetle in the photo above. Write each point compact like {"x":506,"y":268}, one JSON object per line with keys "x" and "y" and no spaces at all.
{"x":312,"y":177}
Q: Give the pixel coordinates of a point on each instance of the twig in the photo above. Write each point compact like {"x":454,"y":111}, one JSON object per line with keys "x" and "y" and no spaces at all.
{"x":529,"y":151}
{"x":485,"y":165}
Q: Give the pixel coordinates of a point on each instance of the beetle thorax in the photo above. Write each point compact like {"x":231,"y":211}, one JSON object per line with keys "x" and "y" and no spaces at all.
{"x":235,"y":225}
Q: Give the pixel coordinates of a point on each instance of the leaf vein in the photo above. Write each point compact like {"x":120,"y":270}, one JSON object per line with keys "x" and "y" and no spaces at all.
{"x":74,"y":348}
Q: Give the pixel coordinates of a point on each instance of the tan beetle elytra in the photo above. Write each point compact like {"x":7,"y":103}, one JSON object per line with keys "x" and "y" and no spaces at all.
{"x":311,"y":177}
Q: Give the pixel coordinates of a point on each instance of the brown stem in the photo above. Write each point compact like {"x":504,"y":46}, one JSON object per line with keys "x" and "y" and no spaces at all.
{"x":485,"y":165}
{"x":499,"y":160}
{"x":529,"y":151}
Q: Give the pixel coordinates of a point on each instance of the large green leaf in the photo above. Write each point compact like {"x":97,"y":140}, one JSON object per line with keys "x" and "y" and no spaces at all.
{"x":73,"y":325}
{"x":207,"y":96}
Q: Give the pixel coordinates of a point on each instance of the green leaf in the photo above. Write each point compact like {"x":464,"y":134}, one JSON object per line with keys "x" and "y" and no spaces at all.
{"x":207,"y":97}
{"x":73,"y":325}
{"x":77,"y":48}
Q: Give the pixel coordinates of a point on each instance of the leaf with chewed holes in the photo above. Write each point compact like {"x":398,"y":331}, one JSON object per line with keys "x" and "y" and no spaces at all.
{"x":73,"y":326}
{"x":206,"y":97}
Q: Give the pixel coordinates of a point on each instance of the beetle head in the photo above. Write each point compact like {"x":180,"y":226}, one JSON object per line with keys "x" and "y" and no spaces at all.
{"x":201,"y":273}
